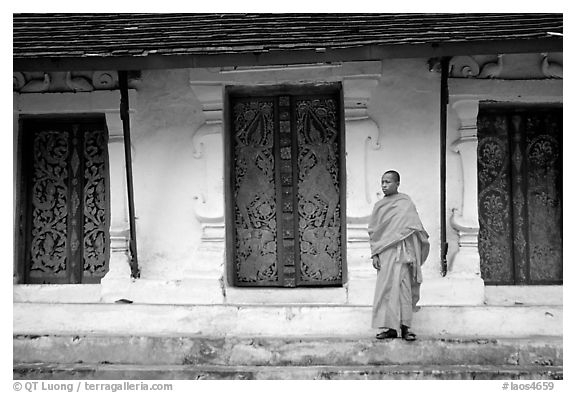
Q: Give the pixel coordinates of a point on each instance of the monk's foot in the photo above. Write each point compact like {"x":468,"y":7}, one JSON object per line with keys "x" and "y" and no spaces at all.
{"x":407,"y":334}
{"x":390,"y":333}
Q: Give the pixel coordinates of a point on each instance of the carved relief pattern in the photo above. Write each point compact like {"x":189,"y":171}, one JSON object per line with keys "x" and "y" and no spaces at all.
{"x":520,"y":203}
{"x":544,"y":198}
{"x":96,"y":241}
{"x":287,"y":240}
{"x":254,"y":193}
{"x":318,"y":191}
{"x":48,"y":249}
{"x":494,"y":201}
{"x":75,"y":215}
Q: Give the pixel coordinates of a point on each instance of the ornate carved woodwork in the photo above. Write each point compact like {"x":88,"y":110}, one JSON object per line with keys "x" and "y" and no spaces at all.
{"x":543,"y":151}
{"x":519,"y":195}
{"x":254,"y":194}
{"x":319,"y":214}
{"x":286,"y":190}
{"x":66,"y":180}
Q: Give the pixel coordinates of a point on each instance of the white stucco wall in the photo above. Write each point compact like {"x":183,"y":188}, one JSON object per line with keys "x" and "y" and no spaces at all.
{"x":169,"y":107}
{"x":406,"y":107}
{"x":166,"y":114}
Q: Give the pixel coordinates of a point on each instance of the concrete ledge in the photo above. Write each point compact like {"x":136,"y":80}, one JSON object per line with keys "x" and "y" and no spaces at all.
{"x":279,"y":351}
{"x":277,"y":296}
{"x":524,"y":295}
{"x":127,"y":372}
{"x":69,"y":293}
{"x":287,"y":320}
{"x":196,"y":291}
{"x":452,"y":291}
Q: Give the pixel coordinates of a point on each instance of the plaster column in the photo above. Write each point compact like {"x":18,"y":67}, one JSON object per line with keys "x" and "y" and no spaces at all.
{"x":116,"y":283}
{"x":362,"y":136}
{"x":207,"y":267}
{"x":465,"y":220}
{"x":464,"y":274}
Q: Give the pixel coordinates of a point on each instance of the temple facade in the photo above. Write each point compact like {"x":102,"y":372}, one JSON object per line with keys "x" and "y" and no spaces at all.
{"x":252,"y":185}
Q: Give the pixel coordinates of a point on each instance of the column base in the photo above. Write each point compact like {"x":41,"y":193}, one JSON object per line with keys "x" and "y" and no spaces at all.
{"x":361,"y":274}
{"x":192,"y":291}
{"x":115,"y":285}
{"x":452,"y":291}
{"x":361,"y":289}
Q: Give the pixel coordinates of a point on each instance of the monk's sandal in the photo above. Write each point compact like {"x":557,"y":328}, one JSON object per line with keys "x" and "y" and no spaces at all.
{"x":406,"y":334}
{"x":390,"y":333}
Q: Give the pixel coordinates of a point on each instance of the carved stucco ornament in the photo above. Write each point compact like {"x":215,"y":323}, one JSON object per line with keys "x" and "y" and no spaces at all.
{"x":78,"y":83}
{"x":492,"y":69}
{"x":551,"y":69}
{"x":468,"y":67}
{"x":68,"y":81}
{"x":37,"y":85}
{"x":464,"y":67}
{"x":18,"y":80}
{"x":105,"y":79}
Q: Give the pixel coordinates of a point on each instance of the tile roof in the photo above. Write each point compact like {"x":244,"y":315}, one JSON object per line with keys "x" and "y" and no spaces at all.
{"x":115,"y":35}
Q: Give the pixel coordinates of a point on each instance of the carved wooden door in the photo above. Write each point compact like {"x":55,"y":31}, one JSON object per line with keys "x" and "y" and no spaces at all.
{"x":285,"y":193}
{"x":520,"y":195}
{"x":65,"y":212}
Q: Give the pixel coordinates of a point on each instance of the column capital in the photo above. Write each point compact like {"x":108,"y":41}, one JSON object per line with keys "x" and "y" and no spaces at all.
{"x":115,"y":126}
{"x":357,"y":94}
{"x":211,"y":97}
{"x":467,"y":112}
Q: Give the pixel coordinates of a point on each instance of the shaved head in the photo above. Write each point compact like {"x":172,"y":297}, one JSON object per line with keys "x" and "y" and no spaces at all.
{"x":394,"y":173}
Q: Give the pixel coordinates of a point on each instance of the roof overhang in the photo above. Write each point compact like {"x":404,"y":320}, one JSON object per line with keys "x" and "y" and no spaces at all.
{"x":278,"y":57}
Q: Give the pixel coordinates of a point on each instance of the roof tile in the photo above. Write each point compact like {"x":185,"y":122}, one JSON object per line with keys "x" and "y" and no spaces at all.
{"x":81,"y":35}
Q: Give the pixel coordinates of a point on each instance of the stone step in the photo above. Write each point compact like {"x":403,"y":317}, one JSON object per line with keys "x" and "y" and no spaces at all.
{"x":286,"y":351}
{"x":278,"y":320}
{"x":43,"y":371}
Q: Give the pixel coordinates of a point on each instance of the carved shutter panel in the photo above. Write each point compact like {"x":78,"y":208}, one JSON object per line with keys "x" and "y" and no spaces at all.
{"x":494,"y":199}
{"x":67,"y":224}
{"x":543,"y":151}
{"x":520,"y":195}
{"x":285,"y":190}
{"x":255,"y":247}
{"x":319,"y":208}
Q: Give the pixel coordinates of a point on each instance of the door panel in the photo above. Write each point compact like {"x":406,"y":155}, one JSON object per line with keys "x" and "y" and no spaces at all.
{"x":494,"y":199}
{"x":544,"y":196}
{"x":318,"y":191}
{"x":67,"y":215}
{"x":285,"y":188}
{"x":254,"y":194}
{"x":520,"y":195}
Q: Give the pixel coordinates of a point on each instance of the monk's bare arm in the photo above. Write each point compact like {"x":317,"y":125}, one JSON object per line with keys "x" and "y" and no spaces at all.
{"x":376,"y":262}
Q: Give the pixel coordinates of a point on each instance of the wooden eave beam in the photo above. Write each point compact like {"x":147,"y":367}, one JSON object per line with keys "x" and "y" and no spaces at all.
{"x":285,"y":57}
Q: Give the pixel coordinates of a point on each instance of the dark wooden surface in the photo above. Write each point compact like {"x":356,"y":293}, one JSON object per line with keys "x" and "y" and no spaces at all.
{"x":520,"y":194}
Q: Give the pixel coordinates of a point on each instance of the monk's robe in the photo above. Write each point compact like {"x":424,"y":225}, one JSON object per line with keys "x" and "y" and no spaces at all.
{"x":399,"y":240}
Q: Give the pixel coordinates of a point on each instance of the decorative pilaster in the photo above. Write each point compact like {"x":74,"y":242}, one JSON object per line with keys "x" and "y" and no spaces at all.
{"x":462,"y":284}
{"x":362,"y":136}
{"x":209,"y":198}
{"x":116,"y":281}
{"x":465,"y":220}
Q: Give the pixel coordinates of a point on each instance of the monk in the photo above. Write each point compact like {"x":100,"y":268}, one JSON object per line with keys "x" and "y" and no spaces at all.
{"x":399,"y":246}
